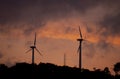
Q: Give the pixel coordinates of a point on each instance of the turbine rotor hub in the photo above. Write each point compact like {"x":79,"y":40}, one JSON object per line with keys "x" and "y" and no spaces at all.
{"x":79,"y":39}
{"x":32,"y":46}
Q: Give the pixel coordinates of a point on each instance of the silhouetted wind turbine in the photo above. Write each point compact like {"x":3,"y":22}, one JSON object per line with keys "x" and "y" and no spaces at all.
{"x":80,"y":48}
{"x":34,"y":48}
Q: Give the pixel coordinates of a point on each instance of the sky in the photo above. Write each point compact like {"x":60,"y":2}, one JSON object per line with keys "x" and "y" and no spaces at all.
{"x":56,"y":23}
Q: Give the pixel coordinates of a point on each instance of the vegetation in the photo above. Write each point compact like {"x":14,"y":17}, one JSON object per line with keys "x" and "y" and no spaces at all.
{"x":51,"y":71}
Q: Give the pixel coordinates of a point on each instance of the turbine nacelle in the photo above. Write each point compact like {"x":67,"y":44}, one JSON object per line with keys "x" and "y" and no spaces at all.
{"x":80,"y":39}
{"x":32,"y":46}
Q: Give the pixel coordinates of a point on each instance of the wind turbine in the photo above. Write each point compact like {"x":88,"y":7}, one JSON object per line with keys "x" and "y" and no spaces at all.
{"x":80,"y":48}
{"x":33,"y":48}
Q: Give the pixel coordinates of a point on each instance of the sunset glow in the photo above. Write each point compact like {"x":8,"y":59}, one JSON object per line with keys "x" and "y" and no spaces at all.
{"x":56,"y":24}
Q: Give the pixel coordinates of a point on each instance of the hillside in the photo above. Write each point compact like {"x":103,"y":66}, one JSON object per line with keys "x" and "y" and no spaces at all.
{"x":51,"y":71}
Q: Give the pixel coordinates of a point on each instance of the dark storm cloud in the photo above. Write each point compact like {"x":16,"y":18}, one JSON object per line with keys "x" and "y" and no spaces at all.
{"x":69,"y":29}
{"x":91,"y":48}
{"x":29,"y":15}
{"x":111,"y":20}
{"x":25,"y":10}
{"x":112,"y":23}
{"x":103,"y":45}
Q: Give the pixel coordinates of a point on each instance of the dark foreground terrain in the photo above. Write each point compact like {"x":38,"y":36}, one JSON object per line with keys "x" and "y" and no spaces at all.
{"x":51,"y":71}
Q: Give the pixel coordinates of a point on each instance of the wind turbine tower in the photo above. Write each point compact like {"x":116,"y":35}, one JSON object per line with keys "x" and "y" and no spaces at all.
{"x":80,"y":48}
{"x":33,"y":48}
{"x":64,"y":59}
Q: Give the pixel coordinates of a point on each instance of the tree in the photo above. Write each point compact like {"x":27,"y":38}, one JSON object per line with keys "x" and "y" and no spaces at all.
{"x":106,"y":70}
{"x":117,"y":68}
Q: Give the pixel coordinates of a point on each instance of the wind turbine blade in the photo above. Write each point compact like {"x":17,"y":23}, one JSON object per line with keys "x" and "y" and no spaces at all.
{"x":80,"y":32}
{"x":87,"y":40}
{"x":35,"y":40}
{"x":28,"y":50}
{"x":38,"y":51}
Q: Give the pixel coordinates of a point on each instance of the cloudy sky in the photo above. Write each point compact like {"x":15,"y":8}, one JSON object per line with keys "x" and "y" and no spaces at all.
{"x":56,"y":23}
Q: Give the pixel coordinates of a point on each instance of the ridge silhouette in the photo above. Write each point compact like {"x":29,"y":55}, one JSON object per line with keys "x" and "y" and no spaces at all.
{"x":52,"y":71}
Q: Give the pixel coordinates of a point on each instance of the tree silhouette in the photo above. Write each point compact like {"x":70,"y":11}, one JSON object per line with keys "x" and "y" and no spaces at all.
{"x":52,"y":71}
{"x":117,"y":68}
{"x":106,"y":70}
